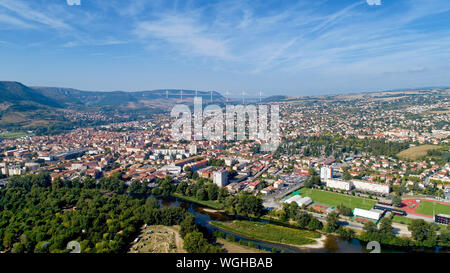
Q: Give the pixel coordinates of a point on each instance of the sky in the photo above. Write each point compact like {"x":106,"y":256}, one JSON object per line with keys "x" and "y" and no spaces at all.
{"x":302,"y":47}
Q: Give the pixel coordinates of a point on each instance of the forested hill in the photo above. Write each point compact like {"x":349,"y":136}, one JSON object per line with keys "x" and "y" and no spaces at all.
{"x":41,"y":216}
{"x":69,"y":96}
{"x":17,"y":93}
{"x":50,"y":110}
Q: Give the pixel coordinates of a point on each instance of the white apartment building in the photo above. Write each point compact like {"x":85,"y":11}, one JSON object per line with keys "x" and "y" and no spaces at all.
{"x":169,"y":151}
{"x":359,"y":185}
{"x":339,"y":184}
{"x":171,"y":169}
{"x":326,"y":173}
{"x":220,"y":178}
{"x":371,"y":186}
{"x":193,"y":149}
{"x":15,"y":170}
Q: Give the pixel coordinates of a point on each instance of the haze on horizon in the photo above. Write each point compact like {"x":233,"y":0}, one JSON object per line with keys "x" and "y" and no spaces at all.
{"x":277,"y":47}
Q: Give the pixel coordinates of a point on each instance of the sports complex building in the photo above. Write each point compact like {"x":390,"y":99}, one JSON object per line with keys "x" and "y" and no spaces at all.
{"x":301,"y":201}
{"x":368,"y":214}
{"x":442,"y":219}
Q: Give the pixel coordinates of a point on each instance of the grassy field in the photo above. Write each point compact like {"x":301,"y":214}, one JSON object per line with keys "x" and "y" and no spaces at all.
{"x":426,"y":207}
{"x":401,"y":220}
{"x":416,"y":152}
{"x":406,"y":221}
{"x":14,"y":135}
{"x":209,"y":203}
{"x":335,"y":199}
{"x":269,"y":232}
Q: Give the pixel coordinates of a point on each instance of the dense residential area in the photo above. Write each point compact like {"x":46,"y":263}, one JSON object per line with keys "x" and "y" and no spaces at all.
{"x":371,"y":166}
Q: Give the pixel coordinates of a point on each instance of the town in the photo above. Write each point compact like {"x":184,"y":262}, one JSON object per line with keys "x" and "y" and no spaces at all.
{"x":365,"y":159}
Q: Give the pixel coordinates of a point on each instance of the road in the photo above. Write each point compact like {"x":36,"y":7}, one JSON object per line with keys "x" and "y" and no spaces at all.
{"x":261,"y":172}
{"x":399,"y":229}
{"x":269,"y":201}
{"x":3,"y":182}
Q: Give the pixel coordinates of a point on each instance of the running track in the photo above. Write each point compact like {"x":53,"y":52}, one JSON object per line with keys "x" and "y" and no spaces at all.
{"x":406,"y":203}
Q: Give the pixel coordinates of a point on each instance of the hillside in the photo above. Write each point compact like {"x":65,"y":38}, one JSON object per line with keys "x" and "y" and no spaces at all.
{"x":416,"y":152}
{"x":154,"y":98}
{"x":48,"y":110}
{"x":17,"y":93}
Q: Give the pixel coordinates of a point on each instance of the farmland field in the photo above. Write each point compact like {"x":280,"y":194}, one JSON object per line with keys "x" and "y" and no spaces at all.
{"x":269,"y":232}
{"x":335,"y":199}
{"x":426,"y":207}
{"x":14,"y":135}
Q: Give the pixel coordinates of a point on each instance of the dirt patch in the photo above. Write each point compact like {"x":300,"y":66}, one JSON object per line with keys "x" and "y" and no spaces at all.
{"x":212,"y":210}
{"x":320,"y":243}
{"x":158,"y":239}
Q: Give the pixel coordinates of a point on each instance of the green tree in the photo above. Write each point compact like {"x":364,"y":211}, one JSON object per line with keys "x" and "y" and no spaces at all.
{"x":18,"y":248}
{"x":303,"y":219}
{"x":418,"y":228}
{"x":230,"y":238}
{"x":181,"y":188}
{"x":386,"y":228}
{"x":332,"y":222}
{"x":444,"y":237}
{"x":397,"y":201}
{"x":201,"y":194}
{"x":194,"y":242}
{"x":345,"y":210}
{"x":346,"y":175}
{"x":187,"y":225}
{"x":315,"y":224}
{"x":222,"y":195}
{"x":370,"y":227}
{"x":213,"y":191}
{"x":346,"y":233}
{"x":8,"y":239}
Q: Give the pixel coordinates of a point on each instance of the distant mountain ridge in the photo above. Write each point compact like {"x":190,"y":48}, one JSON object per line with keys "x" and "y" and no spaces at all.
{"x":358,"y":95}
{"x":69,"y":96}
{"x":49,"y":110}
{"x":17,"y":93}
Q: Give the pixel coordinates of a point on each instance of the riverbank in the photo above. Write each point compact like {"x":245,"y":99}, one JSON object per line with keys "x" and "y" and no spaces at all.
{"x":317,"y":245}
{"x":210,"y":204}
{"x":271,"y":233}
{"x":320,"y":243}
{"x":235,"y":247}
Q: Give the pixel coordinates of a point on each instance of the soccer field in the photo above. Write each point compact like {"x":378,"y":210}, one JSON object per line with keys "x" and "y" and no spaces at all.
{"x":335,"y":199}
{"x":426,"y":207}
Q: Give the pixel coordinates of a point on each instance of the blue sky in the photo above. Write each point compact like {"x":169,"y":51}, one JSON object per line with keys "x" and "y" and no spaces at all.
{"x":308,"y":47}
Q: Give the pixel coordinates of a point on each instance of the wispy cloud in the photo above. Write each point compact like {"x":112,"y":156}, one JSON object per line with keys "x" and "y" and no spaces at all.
{"x":320,"y":41}
{"x":303,"y":36}
{"x":10,"y":20}
{"x":25,"y":12}
{"x":186,"y":34}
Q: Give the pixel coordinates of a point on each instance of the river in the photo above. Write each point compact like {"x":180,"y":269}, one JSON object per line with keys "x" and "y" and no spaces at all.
{"x":333,"y":244}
